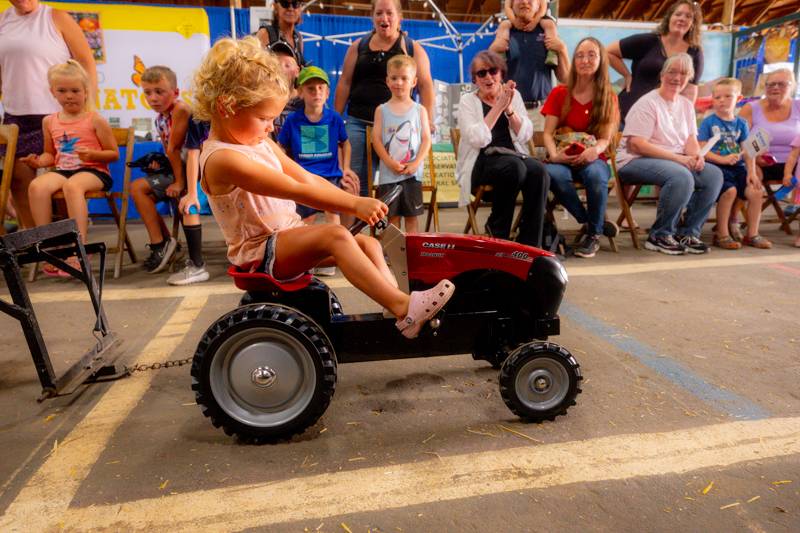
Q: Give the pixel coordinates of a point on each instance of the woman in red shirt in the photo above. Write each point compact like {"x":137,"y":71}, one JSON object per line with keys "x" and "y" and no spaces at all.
{"x":580,"y":120}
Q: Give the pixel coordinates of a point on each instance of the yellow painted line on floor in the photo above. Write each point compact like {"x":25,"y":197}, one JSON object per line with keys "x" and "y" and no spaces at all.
{"x":440,"y":480}
{"x":48,"y":493}
{"x":678,"y":263}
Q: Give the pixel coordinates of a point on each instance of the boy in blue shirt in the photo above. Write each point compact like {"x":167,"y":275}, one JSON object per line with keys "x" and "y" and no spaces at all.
{"x":740,"y":182}
{"x":313,"y":136}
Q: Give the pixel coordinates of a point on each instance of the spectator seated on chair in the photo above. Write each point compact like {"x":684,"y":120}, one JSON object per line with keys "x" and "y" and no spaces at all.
{"x":495,"y":130}
{"x":779,"y":116}
{"x":740,"y":181}
{"x":587,"y":107}
{"x":80,"y":143}
{"x":160,"y":88}
{"x":659,"y":147}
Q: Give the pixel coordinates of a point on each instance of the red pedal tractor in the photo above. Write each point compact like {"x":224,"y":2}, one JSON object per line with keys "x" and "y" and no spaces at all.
{"x":267,"y":370}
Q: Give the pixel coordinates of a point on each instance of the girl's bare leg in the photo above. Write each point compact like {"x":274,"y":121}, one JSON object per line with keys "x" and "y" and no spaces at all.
{"x":373,"y":250}
{"x":549,"y":27}
{"x":40,"y":197}
{"x":299,"y":249}
{"x":75,"y":190}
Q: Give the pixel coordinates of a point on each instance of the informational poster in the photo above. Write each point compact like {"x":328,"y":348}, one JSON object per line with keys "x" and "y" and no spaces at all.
{"x":125,"y":39}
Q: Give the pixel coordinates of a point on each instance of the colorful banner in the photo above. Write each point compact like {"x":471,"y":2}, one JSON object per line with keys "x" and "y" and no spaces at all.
{"x":125,"y":39}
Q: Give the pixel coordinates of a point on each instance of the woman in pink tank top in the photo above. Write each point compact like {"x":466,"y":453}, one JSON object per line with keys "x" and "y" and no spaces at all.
{"x":33,"y":38}
{"x":80,"y":144}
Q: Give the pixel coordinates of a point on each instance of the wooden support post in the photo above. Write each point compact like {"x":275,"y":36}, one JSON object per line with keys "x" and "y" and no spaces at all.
{"x":727,"y":12}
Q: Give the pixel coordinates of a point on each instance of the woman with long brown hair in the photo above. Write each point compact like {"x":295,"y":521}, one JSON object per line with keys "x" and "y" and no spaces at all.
{"x":679,"y":32}
{"x":580,"y":120}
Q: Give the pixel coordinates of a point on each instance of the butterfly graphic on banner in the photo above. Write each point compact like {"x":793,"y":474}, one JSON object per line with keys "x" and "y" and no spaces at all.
{"x":138,"y":70}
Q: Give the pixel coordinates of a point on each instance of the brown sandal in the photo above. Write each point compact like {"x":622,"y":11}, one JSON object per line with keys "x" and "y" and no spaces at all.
{"x":757,"y":241}
{"x":726,"y":243}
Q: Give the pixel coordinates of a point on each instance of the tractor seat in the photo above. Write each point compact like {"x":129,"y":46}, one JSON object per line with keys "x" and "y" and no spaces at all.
{"x":260,"y":281}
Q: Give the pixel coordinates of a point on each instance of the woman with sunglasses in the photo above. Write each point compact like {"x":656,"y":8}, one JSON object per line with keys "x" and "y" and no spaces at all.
{"x":678,"y":32}
{"x":493,"y":150}
{"x":284,"y":28}
{"x":362,"y":84}
{"x":587,"y":107}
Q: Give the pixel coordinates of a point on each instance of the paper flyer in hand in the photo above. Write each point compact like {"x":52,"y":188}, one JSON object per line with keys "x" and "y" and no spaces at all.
{"x":710,"y":144}
{"x":757,"y":142}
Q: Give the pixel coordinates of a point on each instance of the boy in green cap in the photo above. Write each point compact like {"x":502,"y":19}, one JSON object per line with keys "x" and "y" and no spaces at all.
{"x":313,"y":136}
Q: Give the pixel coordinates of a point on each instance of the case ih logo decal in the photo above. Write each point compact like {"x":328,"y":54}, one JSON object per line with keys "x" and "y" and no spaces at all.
{"x":439,"y":245}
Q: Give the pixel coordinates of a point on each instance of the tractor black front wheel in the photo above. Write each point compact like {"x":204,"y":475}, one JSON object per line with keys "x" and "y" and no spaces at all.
{"x":539,"y":381}
{"x":264,"y":372}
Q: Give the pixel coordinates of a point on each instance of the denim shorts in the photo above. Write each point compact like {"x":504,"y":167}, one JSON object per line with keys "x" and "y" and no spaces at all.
{"x":734,"y":176}
{"x":267,"y":265}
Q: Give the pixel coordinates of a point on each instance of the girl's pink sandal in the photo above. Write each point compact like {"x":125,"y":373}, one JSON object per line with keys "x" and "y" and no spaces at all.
{"x":423,"y":305}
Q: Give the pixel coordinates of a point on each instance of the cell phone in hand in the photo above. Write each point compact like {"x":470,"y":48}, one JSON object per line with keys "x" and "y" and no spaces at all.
{"x":769,"y":159}
{"x":575,"y":149}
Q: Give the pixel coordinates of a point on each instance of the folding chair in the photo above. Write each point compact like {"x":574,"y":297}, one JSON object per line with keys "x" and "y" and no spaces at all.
{"x":626,"y":196}
{"x":433,"y":204}
{"x":770,"y":199}
{"x":478,"y":200}
{"x":124,"y":136}
{"x":552,"y":202}
{"x":8,"y":136}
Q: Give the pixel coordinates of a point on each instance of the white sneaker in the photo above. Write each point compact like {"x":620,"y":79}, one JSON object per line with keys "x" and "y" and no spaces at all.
{"x":325,"y":271}
{"x":189,"y":274}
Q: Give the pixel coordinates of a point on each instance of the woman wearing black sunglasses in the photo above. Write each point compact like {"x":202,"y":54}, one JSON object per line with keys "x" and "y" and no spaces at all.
{"x":284,"y":28}
{"x":362,"y":84}
{"x":493,"y":150}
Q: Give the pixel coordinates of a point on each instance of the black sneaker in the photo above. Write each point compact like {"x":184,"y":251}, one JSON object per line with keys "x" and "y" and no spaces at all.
{"x":588,"y":246}
{"x":160,"y":256}
{"x":666,"y":245}
{"x":693,"y":245}
{"x":610,"y":229}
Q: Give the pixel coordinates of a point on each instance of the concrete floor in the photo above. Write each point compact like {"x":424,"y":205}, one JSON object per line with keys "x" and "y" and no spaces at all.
{"x":689,"y":417}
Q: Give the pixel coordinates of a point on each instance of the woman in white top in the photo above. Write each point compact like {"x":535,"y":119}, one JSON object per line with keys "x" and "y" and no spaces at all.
{"x":659,"y":147}
{"x":493,"y":150}
{"x":33,"y":38}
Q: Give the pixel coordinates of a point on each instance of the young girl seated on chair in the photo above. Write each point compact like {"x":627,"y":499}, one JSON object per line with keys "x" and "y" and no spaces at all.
{"x":252,"y":187}
{"x":80,"y":143}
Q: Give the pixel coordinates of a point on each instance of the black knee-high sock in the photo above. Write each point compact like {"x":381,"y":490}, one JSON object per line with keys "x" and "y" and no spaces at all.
{"x":194,"y":241}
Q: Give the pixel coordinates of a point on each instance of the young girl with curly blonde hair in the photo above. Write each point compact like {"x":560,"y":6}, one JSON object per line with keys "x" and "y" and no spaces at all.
{"x":252,"y":187}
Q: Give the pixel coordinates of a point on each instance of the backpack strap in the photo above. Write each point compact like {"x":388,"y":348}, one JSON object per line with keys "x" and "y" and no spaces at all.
{"x":409,"y":42}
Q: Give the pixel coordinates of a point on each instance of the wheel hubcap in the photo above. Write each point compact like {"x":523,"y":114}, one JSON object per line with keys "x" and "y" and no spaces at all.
{"x":244,"y":376}
{"x":263,"y":376}
{"x":542,"y":383}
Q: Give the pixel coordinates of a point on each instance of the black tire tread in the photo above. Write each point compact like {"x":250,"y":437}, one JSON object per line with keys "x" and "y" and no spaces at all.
{"x":263,"y":315}
{"x":517,"y":359}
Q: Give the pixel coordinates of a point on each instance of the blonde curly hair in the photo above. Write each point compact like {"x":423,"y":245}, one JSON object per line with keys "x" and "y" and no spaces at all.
{"x":237,"y":73}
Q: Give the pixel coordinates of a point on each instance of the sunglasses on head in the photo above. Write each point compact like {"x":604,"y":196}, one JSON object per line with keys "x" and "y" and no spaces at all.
{"x":484,"y":71}
{"x":289,"y":3}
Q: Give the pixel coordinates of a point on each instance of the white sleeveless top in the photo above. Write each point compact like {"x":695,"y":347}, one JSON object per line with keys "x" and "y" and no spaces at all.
{"x":29,"y":45}
{"x":247,"y":219}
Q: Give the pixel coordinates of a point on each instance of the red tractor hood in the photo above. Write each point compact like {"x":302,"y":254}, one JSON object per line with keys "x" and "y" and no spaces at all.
{"x":433,"y":256}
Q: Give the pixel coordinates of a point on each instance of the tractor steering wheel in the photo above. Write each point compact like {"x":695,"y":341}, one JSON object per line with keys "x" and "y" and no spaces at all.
{"x":387,"y":198}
